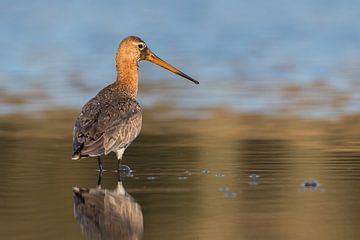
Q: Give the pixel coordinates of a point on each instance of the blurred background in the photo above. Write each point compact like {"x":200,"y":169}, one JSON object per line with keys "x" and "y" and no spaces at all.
{"x":278,"y":104}
{"x":250,"y":56}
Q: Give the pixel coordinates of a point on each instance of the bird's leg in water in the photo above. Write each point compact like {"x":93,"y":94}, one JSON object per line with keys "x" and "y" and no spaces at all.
{"x":100,"y":165}
{"x":99,"y":179}
{"x":119,"y":154}
{"x":119,"y":164}
{"x":119,"y":176}
{"x":123,"y":168}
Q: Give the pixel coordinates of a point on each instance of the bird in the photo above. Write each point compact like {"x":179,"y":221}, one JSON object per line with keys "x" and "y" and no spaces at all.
{"x":111,"y":120}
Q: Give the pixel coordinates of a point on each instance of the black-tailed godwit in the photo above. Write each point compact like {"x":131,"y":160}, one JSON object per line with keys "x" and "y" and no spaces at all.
{"x":111,"y":120}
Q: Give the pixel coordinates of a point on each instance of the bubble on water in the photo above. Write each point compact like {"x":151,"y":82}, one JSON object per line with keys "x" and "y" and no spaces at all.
{"x":227,"y":192}
{"x":151,"y":178}
{"x":182,"y":178}
{"x":130,"y":174}
{"x":253,"y":183}
{"x":310,"y":183}
{"x":219,"y":175}
{"x":187,"y":172}
{"x":230,"y":194}
{"x":205,"y":171}
{"x":254,"y":176}
{"x":224,"y":189}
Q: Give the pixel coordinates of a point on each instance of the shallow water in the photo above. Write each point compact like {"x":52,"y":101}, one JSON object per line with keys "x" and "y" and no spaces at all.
{"x":301,"y":180}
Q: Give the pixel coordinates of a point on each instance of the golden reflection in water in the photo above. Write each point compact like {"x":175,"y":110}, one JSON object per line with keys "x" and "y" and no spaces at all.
{"x":107,"y":214}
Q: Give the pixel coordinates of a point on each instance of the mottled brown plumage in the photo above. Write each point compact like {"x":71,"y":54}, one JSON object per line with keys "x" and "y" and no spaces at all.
{"x":108,"y":122}
{"x":111,"y":120}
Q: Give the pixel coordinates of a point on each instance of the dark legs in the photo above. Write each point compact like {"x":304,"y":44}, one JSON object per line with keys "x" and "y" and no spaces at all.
{"x":119,"y":164}
{"x":99,"y":179}
{"x":120,"y":168}
{"x":100,"y":165}
{"x":119,"y":176}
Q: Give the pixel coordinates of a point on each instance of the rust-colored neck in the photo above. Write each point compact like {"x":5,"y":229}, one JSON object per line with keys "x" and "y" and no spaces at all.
{"x":127,"y":74}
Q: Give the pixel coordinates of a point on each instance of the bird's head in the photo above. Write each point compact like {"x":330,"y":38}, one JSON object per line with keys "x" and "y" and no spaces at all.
{"x":135,"y":49}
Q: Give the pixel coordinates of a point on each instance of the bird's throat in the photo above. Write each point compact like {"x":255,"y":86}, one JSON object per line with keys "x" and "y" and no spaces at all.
{"x":127,"y":77}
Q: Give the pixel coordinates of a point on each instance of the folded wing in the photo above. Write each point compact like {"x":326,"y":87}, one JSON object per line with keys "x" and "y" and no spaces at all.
{"x":106,"y":124}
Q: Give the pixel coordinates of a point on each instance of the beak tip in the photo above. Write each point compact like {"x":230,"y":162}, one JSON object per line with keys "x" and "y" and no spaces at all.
{"x":192,"y":80}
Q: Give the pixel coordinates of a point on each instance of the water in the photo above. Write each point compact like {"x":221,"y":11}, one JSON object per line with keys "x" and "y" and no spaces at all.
{"x":190,"y":179}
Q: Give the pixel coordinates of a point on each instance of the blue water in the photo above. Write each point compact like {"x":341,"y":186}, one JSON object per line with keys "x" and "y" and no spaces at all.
{"x":232,"y":47}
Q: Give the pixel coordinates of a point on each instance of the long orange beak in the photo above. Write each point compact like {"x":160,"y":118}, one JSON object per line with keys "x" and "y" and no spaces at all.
{"x":150,"y":56}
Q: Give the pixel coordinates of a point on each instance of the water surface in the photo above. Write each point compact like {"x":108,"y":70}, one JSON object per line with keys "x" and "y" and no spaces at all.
{"x":228,"y":176}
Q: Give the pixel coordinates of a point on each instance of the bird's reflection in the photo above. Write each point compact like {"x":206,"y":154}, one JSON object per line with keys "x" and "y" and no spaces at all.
{"x":107,"y":214}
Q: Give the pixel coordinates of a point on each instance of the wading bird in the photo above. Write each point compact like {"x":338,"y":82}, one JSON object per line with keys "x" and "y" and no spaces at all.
{"x":111,"y":120}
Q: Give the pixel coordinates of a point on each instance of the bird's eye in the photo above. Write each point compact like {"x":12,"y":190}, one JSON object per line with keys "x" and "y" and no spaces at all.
{"x":141,"y":46}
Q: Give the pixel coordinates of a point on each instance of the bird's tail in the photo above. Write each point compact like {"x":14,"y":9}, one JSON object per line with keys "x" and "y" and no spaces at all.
{"x":77,"y":152}
{"x":75,"y":156}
